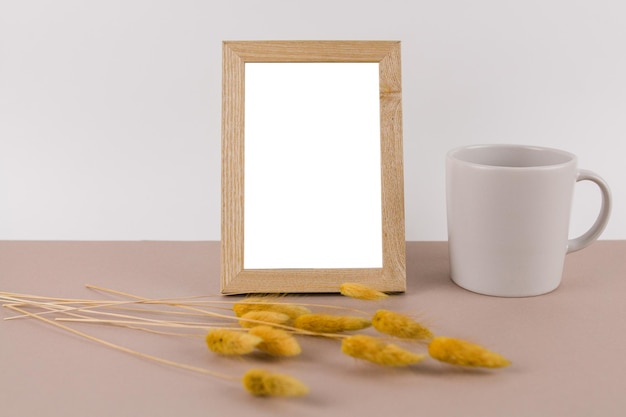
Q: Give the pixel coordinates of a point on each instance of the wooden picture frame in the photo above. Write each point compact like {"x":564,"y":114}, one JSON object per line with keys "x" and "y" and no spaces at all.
{"x":237,"y":280}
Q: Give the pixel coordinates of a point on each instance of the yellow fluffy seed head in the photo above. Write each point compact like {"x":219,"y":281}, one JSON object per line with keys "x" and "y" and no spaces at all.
{"x":230,"y":342}
{"x":360,"y":291}
{"x":263,"y":383}
{"x":461,"y":352}
{"x":265,"y":317}
{"x":399,"y":325}
{"x":374,"y":350}
{"x":276,"y":342}
{"x":265,"y":304}
{"x":326,"y":323}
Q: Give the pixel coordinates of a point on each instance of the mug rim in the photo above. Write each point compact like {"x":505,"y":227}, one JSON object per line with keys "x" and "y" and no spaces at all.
{"x":570,"y":157}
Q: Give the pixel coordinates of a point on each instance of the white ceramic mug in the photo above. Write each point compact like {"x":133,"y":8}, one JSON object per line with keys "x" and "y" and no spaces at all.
{"x":508,"y":217}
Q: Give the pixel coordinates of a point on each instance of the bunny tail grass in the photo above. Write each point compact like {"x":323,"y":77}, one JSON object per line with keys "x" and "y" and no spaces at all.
{"x":399,"y":325}
{"x":231,"y":342}
{"x":376,"y":351}
{"x":263,"y":383}
{"x":276,"y":342}
{"x":360,"y":291}
{"x":266,"y":304}
{"x":326,"y":323}
{"x":460,"y":352}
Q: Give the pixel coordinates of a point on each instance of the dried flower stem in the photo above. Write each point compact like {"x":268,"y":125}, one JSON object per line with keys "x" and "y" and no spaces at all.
{"x":73,"y":312}
{"x":215,"y":303}
{"x":82,"y":318}
{"x":136,"y":322}
{"x":122,"y":348}
{"x":228,"y":317}
{"x":178,"y":305}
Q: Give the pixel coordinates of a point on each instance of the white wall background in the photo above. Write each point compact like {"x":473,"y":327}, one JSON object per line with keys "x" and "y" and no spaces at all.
{"x":110,"y":110}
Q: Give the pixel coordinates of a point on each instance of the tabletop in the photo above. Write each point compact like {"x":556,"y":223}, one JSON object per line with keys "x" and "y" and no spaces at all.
{"x":566,"y":347}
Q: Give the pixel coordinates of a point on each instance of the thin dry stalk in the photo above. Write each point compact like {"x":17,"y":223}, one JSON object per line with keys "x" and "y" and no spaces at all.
{"x":124,"y":349}
{"x":224,"y":316}
{"x":210,"y":302}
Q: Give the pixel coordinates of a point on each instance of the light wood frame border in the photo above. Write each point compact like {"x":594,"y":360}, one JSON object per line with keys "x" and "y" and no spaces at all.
{"x":237,"y":280}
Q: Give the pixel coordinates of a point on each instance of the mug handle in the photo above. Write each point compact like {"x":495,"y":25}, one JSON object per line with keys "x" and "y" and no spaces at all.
{"x":594,"y":232}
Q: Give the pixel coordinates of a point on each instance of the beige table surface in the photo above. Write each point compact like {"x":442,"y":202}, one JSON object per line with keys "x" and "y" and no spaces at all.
{"x":568,"y":347}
